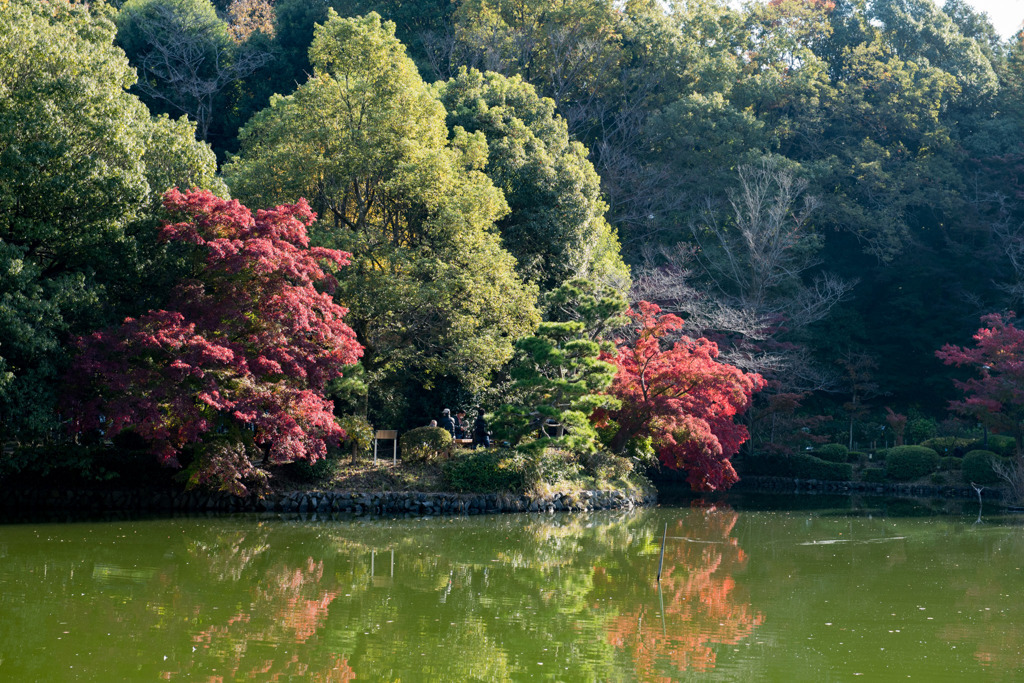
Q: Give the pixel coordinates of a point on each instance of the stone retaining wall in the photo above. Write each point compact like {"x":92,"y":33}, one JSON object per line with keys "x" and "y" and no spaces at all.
{"x":380,"y":503}
{"x":786,"y":485}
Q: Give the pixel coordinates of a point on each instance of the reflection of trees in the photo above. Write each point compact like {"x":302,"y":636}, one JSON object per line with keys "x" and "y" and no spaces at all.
{"x":287,"y":605}
{"x":479,"y":598}
{"x":996,"y":638}
{"x":702,"y":606}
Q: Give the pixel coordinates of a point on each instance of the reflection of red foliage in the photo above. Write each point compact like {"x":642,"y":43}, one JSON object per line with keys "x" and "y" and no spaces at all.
{"x":339,"y":672}
{"x":290,"y":608}
{"x":702,"y":607}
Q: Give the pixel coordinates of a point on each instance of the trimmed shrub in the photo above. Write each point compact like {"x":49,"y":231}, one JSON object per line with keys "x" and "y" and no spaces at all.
{"x":832,"y":452}
{"x":426,"y":443}
{"x":938,"y":478}
{"x":484,"y":470}
{"x":879,"y":454}
{"x":320,"y":472}
{"x":799,"y":466}
{"x":856,"y":456}
{"x":949,"y":463}
{"x":903,"y":463}
{"x":1004,"y":446}
{"x":947,"y":445}
{"x":977,"y":467}
{"x":874,"y":475}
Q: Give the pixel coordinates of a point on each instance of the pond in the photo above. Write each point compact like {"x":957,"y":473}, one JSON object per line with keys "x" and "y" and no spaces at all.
{"x":747,"y":594}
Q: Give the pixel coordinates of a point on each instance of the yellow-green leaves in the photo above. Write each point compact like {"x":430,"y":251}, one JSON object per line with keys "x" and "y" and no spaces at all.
{"x":431,"y":291}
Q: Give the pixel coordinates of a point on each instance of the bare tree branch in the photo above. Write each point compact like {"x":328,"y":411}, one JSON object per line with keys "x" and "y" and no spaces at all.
{"x":186,"y":66}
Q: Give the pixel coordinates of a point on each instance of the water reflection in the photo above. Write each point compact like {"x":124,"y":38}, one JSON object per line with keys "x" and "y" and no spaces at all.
{"x":700,"y":604}
{"x":751,"y":596}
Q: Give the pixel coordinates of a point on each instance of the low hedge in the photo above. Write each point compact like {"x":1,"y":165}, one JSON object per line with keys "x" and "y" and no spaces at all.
{"x":874,"y":475}
{"x":320,"y":472}
{"x":947,"y":445}
{"x":1004,"y":446}
{"x":484,"y":470}
{"x":949,"y":463}
{"x":977,"y":467}
{"x":855,"y":456}
{"x":904,"y":463}
{"x":426,"y":443}
{"x":832,"y":452}
{"x":798,"y":465}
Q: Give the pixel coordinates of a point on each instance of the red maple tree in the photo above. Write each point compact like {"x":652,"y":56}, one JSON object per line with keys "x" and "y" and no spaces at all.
{"x":239,"y":363}
{"x":681,"y":397}
{"x":996,"y":396}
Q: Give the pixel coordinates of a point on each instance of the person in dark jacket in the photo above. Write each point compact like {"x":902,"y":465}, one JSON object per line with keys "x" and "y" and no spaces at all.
{"x":447,"y":422}
{"x":480,"y":435}
{"x":460,"y":424}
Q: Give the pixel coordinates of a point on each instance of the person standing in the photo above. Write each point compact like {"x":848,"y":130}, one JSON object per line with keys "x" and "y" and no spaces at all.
{"x":447,"y":422}
{"x":460,"y":424}
{"x":480,"y":435}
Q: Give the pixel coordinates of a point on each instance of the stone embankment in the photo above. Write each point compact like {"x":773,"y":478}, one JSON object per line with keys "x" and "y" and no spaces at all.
{"x":895,"y":490}
{"x":359,"y":503}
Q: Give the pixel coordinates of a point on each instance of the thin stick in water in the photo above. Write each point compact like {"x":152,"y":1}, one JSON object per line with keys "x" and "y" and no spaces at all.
{"x":661,"y":560}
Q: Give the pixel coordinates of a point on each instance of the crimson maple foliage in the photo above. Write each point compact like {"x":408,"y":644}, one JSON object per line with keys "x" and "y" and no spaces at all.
{"x":681,"y":397}
{"x":996,"y":397}
{"x":240,"y":361}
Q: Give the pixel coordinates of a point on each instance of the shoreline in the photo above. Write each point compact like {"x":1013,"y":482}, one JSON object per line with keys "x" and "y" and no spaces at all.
{"x":356,"y":503}
{"x":765,"y":484}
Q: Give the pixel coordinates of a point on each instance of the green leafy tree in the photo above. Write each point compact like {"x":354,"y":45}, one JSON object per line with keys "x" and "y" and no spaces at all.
{"x":921,"y":32}
{"x":555,"y":227}
{"x":76,"y":189}
{"x":432,"y":293}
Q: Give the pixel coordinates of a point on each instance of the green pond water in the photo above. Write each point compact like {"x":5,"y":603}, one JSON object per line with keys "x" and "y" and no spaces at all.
{"x":842,"y":594}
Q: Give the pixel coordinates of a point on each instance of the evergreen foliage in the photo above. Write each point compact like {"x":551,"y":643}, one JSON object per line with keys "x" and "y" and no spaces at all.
{"x":432,"y":294}
{"x":904,"y":463}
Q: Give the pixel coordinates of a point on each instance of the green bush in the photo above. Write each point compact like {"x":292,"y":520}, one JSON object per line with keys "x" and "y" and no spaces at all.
{"x":938,"y":478}
{"x":640,"y":449}
{"x":426,"y":443}
{"x":358,"y":435}
{"x":542,"y":463}
{"x":607,"y":466}
{"x":799,"y":466}
{"x":832,"y":452}
{"x":484,"y":470}
{"x":1004,"y":446}
{"x":874,"y":475}
{"x":949,"y":463}
{"x":903,"y":463}
{"x":320,"y":472}
{"x":856,"y":456}
{"x":977,"y":467}
{"x":809,"y":467}
{"x":947,"y":445}
{"x":879,"y":454}
{"x":920,"y":429}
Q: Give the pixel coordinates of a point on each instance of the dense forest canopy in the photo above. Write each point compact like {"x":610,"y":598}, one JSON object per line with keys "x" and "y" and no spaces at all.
{"x":830,"y":190}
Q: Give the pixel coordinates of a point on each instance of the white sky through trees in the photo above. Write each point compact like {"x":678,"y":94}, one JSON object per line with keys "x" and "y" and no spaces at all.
{"x":1006,"y":15}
